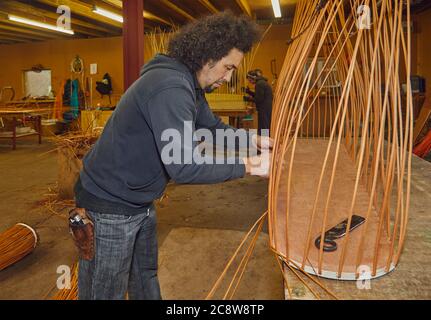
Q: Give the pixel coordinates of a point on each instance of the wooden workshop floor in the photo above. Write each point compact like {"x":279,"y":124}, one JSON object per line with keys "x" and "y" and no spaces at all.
{"x":192,"y":221}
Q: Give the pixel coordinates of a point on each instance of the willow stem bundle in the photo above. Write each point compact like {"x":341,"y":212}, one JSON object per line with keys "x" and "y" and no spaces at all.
{"x":343,"y":139}
{"x":16,"y":243}
{"x":352,"y":81}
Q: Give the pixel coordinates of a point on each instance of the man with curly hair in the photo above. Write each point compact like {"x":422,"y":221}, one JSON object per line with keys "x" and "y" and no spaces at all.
{"x":125,"y":171}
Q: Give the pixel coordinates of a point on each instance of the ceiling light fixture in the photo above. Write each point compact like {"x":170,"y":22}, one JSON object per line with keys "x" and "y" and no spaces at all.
{"x":38,"y":24}
{"x":276,"y":8}
{"x":108,"y":14}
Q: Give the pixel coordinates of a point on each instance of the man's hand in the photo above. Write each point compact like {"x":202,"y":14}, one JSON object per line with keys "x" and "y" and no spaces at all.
{"x":262,"y":142}
{"x":259,"y":165}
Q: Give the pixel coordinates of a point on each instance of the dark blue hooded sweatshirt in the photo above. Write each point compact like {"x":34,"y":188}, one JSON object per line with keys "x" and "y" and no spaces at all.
{"x":123,"y":172}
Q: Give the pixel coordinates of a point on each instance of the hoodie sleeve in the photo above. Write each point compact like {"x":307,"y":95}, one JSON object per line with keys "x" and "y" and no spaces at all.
{"x":172,"y":113}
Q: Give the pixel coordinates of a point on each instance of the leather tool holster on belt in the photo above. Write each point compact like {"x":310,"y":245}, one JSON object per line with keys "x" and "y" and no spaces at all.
{"x":82,"y":230}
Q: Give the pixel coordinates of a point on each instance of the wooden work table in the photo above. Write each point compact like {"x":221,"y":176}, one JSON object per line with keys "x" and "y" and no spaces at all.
{"x":26,"y":115}
{"x":21,"y":111}
{"x":234,"y":109}
{"x":410,"y":279}
{"x":31,"y":103}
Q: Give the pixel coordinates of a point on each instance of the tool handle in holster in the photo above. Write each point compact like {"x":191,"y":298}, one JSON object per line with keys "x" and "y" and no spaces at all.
{"x":83,"y":233}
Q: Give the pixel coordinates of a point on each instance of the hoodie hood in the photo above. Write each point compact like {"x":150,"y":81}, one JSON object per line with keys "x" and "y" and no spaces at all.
{"x":162,"y":61}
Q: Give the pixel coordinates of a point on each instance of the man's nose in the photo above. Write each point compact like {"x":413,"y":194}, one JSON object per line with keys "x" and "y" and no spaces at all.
{"x":228,"y":76}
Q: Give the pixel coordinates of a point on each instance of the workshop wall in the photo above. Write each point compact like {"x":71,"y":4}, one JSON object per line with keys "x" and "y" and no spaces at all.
{"x":273,"y":47}
{"x":57,"y":55}
{"x":107,"y":53}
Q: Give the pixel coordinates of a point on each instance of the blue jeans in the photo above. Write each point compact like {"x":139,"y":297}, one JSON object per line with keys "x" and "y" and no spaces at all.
{"x":125,"y":258}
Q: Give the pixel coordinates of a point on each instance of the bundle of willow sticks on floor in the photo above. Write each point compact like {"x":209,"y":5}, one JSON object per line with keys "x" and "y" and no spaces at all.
{"x":16,"y":243}
{"x":71,"y":149}
{"x":72,"y":292}
{"x":77,"y":142}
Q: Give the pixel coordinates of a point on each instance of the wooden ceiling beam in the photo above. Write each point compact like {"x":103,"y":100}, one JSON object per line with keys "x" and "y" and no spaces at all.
{"x":53,"y":22}
{"x":14,"y":39}
{"x":146,"y":14}
{"x":25,"y":31}
{"x":21,"y":36}
{"x":151,"y":24}
{"x":155,"y":18}
{"x":207,"y":4}
{"x":84,"y":9}
{"x":116,"y":3}
{"x":45,"y":11}
{"x":76,"y":29}
{"x":245,"y":6}
{"x":177,"y":9}
{"x":49,"y":33}
{"x":7,"y":42}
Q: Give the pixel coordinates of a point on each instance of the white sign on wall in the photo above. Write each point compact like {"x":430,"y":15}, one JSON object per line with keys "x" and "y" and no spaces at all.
{"x":93,"y":68}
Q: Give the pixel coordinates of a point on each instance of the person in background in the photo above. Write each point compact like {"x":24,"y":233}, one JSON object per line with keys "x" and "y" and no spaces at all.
{"x":259,"y":72}
{"x":262,"y":98}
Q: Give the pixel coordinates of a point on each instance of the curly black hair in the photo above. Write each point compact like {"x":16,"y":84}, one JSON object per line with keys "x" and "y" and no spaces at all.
{"x":212,"y":38}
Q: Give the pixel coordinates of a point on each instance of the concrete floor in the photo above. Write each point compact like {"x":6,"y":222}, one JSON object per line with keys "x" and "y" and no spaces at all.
{"x":213,"y":217}
{"x":199,"y":227}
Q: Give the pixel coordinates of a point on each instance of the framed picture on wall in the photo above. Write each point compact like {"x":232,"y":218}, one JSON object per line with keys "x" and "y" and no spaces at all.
{"x":37,"y":83}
